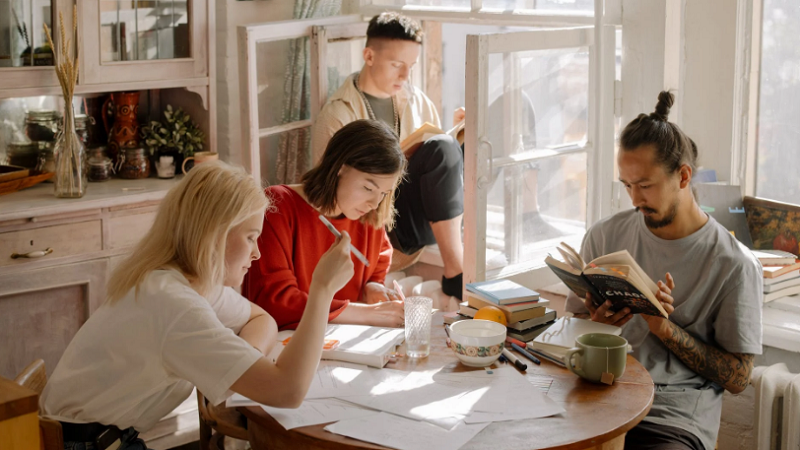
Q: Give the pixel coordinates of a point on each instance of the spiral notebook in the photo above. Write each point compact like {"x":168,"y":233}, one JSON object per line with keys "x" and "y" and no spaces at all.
{"x":561,"y":335}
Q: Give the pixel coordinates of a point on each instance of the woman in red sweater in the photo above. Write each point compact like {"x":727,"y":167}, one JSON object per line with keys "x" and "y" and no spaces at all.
{"x":353,"y":186}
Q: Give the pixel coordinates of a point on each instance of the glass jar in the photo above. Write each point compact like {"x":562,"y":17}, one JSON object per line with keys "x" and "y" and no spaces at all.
{"x":23,"y":154}
{"x":41,"y":125}
{"x":135,"y":164}
{"x":70,"y":156}
{"x":82,"y":127}
{"x":47,"y":161}
{"x":99,"y":168}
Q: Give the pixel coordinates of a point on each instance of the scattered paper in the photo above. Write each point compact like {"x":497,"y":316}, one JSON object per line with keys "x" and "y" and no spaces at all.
{"x":314,"y":412}
{"x":405,"y":434}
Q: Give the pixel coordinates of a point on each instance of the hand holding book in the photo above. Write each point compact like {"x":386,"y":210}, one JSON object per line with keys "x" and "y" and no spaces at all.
{"x":615,"y":278}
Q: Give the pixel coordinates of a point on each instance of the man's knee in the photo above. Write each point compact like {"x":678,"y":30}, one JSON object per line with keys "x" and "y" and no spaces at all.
{"x":439,"y":150}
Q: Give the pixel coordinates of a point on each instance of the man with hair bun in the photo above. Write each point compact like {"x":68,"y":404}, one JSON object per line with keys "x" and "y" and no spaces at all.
{"x":430,"y":200}
{"x":711,"y":288}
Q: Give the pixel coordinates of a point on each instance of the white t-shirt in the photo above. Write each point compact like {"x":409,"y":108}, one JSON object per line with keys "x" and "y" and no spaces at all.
{"x":135,"y":361}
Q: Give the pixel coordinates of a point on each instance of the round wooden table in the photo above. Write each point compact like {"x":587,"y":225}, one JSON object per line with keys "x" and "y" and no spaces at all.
{"x":597,"y":416}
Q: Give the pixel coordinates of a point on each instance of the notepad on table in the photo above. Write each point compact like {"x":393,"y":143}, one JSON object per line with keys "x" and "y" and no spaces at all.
{"x":561,"y":335}
{"x":359,"y":344}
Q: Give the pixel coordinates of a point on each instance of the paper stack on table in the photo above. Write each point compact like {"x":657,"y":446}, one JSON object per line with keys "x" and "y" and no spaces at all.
{"x":428,"y":409}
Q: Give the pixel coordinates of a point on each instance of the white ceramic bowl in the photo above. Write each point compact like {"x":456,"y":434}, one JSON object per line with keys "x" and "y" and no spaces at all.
{"x":477,"y":343}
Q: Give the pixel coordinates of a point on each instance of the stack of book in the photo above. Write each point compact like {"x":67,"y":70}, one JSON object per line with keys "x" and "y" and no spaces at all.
{"x":781,"y":274}
{"x":526,"y":314}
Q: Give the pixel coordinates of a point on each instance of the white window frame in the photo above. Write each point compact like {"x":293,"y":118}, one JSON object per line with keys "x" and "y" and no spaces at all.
{"x":249,"y":36}
{"x":478,"y":161}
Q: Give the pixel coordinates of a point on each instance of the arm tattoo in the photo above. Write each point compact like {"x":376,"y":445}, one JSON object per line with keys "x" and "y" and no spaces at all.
{"x":730,"y":370}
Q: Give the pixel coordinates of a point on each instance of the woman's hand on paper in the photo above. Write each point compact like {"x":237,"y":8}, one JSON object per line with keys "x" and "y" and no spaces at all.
{"x":378,"y":293}
{"x":335,"y":267}
{"x":603,"y":313}
{"x":660,"y":326}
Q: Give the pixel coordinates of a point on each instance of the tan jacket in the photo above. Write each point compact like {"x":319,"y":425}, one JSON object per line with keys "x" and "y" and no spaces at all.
{"x":347,"y":105}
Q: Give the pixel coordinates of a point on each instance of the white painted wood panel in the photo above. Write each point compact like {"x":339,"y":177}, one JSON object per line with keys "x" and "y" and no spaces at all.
{"x":65,"y":240}
{"x":126,"y":230}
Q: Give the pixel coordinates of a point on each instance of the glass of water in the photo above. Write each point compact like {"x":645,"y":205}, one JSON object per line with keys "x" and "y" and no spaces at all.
{"x":418,"y":326}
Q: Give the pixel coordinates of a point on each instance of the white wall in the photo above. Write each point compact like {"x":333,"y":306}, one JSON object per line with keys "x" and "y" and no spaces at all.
{"x":643,"y":34}
{"x":708,"y":85}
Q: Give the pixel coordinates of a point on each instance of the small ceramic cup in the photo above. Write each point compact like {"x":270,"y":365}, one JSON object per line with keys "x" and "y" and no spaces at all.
{"x":200,"y":157}
{"x":595,"y":354}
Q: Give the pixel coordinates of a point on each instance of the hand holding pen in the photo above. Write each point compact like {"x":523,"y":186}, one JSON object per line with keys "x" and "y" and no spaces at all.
{"x":336,"y":233}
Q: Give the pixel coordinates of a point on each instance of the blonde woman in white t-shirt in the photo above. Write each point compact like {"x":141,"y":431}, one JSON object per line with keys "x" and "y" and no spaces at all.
{"x":172,"y":319}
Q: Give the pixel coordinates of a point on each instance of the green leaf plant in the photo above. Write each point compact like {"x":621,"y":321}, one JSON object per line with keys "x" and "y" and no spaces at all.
{"x":177,"y":133}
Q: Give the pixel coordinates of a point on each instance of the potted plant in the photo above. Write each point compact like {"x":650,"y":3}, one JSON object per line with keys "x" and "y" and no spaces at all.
{"x":176,"y":138}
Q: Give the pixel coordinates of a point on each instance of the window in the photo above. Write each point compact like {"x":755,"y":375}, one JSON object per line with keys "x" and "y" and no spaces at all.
{"x":777,"y":156}
{"x":539,"y":139}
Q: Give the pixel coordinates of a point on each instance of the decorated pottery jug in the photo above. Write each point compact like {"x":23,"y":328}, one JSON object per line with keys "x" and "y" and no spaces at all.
{"x":124,"y":133}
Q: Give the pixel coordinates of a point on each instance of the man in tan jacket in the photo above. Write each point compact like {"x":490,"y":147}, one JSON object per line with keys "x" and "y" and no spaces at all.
{"x":430,"y":201}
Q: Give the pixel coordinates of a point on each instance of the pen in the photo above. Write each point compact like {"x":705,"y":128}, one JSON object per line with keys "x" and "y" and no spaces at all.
{"x":336,"y":233}
{"x":400,"y":291}
{"x":511,"y":340}
{"x":514,"y":360}
{"x":547,"y":358}
{"x":525,"y":353}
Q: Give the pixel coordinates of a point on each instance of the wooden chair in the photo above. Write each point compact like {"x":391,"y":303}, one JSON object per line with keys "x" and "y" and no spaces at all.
{"x":401,"y":261}
{"x":34,"y":377}
{"x":218,"y":422}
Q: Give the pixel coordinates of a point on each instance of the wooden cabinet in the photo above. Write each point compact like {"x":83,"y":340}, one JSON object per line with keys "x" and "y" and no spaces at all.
{"x":41,"y":310}
{"x":144,"y":41}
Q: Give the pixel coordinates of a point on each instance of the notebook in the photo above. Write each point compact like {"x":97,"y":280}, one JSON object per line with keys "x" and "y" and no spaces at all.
{"x":561,"y":335}
{"x":357,"y":344}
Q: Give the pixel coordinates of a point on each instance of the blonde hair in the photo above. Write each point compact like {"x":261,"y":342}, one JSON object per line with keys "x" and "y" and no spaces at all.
{"x":191,"y":228}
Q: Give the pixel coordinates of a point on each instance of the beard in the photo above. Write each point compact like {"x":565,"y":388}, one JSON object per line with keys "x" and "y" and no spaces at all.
{"x":669,"y":217}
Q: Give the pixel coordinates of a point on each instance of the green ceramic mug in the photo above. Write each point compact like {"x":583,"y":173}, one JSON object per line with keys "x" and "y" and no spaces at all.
{"x":596,"y":353}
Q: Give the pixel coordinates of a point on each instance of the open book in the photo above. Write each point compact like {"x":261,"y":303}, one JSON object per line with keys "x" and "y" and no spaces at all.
{"x":357,"y":344}
{"x":615,"y":277}
{"x":412,"y":142}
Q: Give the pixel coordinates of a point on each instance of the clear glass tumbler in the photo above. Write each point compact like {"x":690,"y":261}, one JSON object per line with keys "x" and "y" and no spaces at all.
{"x":418,"y":326}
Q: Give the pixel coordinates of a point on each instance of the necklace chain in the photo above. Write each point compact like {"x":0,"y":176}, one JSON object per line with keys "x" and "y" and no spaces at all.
{"x":371,"y":113}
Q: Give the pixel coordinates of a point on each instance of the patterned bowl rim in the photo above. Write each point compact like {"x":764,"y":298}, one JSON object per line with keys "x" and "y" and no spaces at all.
{"x":478,"y":351}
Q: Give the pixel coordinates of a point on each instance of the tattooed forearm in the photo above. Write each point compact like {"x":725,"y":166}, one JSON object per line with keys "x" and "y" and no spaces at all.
{"x":730,"y":370}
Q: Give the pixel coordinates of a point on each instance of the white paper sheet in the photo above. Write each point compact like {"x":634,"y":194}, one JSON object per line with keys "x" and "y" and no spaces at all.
{"x":313,"y":412}
{"x":405,"y":434}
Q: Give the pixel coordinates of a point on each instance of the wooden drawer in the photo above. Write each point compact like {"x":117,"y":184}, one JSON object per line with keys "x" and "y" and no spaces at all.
{"x":125,"y":230}
{"x":65,"y":240}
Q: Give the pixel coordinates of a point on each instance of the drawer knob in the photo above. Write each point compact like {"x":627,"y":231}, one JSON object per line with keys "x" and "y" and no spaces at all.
{"x":36,"y":254}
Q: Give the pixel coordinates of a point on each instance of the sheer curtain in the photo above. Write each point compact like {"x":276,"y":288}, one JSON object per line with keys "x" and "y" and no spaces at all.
{"x":294,"y":151}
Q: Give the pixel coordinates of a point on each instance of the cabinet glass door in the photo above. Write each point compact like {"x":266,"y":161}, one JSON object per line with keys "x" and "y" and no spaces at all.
{"x":26,"y":59}
{"x":144,"y":30}
{"x":143,"y":40}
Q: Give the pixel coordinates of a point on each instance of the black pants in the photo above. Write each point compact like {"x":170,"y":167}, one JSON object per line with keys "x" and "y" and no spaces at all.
{"x":650,"y":436}
{"x":433,"y":190}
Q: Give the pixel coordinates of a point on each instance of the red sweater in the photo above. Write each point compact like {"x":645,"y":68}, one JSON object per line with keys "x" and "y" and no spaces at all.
{"x":291,"y":244}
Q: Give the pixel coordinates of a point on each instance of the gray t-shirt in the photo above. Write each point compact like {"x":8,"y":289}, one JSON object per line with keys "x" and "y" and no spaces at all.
{"x":717,"y":300}
{"x":383,"y":109}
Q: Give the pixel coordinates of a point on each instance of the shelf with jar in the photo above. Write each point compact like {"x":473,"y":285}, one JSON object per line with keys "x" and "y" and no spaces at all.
{"x":111,"y":127}
{"x":123,"y":45}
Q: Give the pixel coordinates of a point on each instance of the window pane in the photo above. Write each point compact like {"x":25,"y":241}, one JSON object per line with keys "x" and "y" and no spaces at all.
{"x":344,"y":58}
{"x":537,"y":100}
{"x":144,"y":30}
{"x":21,"y":30}
{"x":542,"y":5}
{"x":534,"y":206}
{"x":284,"y":92}
{"x":461,"y":4}
{"x":779,"y":110}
